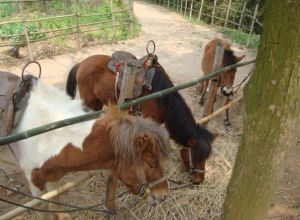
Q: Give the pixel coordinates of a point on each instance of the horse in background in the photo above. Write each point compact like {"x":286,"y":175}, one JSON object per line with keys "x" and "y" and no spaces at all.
{"x":131,"y":148}
{"x":96,"y":85}
{"x":225,"y":79}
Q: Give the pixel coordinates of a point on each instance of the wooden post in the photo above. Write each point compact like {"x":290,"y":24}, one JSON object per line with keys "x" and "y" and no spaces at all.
{"x":127,"y":83}
{"x":242,"y":15}
{"x":185,"y":7}
{"x":213,"y":83}
{"x":181,"y":5}
{"x":191,"y":9}
{"x":77,"y":23}
{"x":113,"y":19}
{"x":26,"y":33}
{"x":48,"y":195}
{"x":130,"y":4}
{"x":252,"y":24}
{"x":200,"y":11}
{"x":213,"y":12}
{"x":227,"y":13}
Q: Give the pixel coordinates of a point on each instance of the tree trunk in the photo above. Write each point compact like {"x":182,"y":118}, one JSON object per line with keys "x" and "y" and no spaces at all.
{"x":272,"y":118}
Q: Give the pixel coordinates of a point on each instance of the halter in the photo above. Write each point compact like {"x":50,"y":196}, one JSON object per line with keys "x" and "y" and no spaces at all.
{"x":192,"y":169}
{"x":146,"y":187}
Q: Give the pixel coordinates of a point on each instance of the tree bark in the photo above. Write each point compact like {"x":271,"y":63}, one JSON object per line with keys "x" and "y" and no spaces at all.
{"x":272,"y":114}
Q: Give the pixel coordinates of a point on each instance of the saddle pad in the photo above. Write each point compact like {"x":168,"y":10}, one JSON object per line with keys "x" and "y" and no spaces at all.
{"x":8,"y":86}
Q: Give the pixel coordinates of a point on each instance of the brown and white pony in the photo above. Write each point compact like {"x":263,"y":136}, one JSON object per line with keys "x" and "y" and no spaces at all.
{"x":96,"y":85}
{"x":226,"y":79}
{"x":131,"y":148}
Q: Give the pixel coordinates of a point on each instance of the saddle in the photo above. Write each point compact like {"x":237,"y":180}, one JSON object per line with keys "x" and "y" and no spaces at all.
{"x":14,"y":95}
{"x":144,"y":70}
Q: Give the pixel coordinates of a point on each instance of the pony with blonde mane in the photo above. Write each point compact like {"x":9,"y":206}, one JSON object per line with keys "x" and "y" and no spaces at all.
{"x":130,"y":147}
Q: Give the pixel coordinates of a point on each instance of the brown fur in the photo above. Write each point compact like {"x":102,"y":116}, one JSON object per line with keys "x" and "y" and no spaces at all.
{"x":226,"y":78}
{"x":146,"y":142}
{"x":96,"y":85}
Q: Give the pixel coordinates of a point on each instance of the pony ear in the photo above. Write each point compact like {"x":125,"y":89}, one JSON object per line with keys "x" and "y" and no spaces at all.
{"x":141,"y":142}
{"x":239,"y":58}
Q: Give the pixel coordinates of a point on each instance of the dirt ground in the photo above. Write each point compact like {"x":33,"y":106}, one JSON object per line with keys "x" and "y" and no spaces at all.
{"x":179,"y":47}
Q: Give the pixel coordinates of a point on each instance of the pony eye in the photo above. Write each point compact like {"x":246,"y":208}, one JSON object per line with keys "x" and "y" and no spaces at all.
{"x":152,"y":164}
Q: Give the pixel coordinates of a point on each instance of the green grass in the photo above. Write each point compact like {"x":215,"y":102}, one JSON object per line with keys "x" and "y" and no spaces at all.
{"x":57,"y":7}
{"x":240,"y":37}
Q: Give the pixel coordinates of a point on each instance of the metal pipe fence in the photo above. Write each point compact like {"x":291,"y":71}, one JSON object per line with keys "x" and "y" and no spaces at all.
{"x":94,"y":115}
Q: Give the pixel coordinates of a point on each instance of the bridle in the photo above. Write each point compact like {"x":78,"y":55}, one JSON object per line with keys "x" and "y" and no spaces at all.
{"x":192,"y":169}
{"x":146,"y":187}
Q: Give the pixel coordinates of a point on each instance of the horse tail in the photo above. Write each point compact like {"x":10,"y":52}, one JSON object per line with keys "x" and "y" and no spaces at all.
{"x":71,"y":81}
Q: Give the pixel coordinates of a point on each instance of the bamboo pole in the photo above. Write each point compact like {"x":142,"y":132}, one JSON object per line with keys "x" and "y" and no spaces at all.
{"x":191,"y":9}
{"x":26,"y":35}
{"x":181,"y":5}
{"x":113,"y":20}
{"x":219,"y":111}
{"x":200,"y":11}
{"x":35,"y":20}
{"x":131,"y":16}
{"x":177,"y":5}
{"x":227,"y":13}
{"x":48,"y":195}
{"x":75,"y":2}
{"x":213,"y":82}
{"x":213,"y":13}
{"x":252,"y":24}
{"x":242,"y":15}
{"x":185,"y":7}
{"x":94,"y":115}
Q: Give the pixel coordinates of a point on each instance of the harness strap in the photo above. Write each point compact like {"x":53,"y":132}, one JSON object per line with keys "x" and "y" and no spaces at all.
{"x":191,"y":165}
{"x":146,"y":187}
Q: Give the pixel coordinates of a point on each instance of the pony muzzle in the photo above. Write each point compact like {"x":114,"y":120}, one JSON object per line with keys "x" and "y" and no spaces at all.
{"x":226,"y":91}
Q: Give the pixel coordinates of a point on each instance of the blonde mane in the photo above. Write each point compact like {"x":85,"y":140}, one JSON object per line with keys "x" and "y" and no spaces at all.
{"x":125,"y":128}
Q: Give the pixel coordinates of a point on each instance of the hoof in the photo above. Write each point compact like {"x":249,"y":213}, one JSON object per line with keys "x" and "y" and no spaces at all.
{"x":201,"y":102}
{"x":109,"y":211}
{"x":62,"y":216}
{"x":227,"y":123}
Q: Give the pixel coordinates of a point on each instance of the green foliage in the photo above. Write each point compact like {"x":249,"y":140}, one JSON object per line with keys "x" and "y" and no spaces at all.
{"x":240,"y":37}
{"x":7,"y":9}
{"x":62,"y":7}
{"x":17,"y":28}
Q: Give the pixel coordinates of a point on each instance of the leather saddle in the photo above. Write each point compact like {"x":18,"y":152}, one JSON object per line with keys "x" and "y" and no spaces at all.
{"x":144,"y":67}
{"x":14,"y":95}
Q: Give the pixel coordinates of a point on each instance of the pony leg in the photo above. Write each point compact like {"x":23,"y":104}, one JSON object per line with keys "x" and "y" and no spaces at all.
{"x":110,"y":200}
{"x":204,"y":88}
{"x":59,"y":215}
{"x":226,"y":120}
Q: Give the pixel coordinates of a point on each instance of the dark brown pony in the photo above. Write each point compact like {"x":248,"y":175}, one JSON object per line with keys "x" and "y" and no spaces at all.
{"x":96,"y":84}
{"x":226,"y":78}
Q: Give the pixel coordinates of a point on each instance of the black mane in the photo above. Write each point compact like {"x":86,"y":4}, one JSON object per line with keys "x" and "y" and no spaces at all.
{"x":179,"y":120}
{"x":229,"y":58}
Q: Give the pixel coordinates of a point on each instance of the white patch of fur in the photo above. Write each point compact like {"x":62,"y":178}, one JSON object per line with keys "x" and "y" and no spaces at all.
{"x":227,"y":90}
{"x":45,"y":105}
